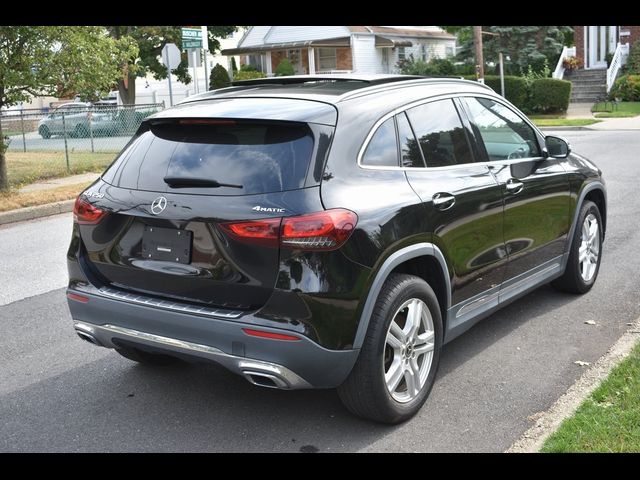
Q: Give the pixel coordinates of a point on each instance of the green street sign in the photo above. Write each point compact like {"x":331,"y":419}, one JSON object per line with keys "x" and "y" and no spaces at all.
{"x":191,"y":38}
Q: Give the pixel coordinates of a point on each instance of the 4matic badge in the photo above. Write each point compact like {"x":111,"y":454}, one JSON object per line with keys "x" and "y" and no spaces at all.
{"x":258,"y":208}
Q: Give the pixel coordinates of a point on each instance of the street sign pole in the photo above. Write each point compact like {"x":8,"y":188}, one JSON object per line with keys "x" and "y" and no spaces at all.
{"x":170,"y":59}
{"x":194,"y":52}
{"x":205,"y":51}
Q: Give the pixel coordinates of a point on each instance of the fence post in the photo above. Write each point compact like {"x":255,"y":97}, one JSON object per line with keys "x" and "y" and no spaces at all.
{"x":154,"y":96}
{"x":163,"y":105}
{"x":24,"y":142}
{"x":91,"y":127}
{"x":66,"y":148}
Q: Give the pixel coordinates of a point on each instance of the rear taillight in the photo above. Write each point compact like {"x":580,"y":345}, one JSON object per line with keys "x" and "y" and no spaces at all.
{"x":86,"y":214}
{"x":325,"y":230}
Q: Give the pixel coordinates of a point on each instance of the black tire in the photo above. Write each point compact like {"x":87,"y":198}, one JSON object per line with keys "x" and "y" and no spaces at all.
{"x":146,"y":358}
{"x":44,"y":132}
{"x":365,"y":393}
{"x":571,"y":281}
{"x":80,"y":131}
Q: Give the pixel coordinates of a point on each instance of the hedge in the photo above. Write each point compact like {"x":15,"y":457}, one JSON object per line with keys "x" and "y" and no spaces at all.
{"x":248,"y":75}
{"x":541,"y":95}
{"x":219,"y":77}
{"x":515,"y":88}
{"x":549,"y":95}
{"x":285,"y":68}
{"x":626,"y":88}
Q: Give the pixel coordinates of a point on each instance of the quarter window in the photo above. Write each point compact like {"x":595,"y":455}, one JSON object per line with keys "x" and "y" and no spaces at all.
{"x":504,"y":133}
{"x":440,"y":133}
{"x":383,"y":147}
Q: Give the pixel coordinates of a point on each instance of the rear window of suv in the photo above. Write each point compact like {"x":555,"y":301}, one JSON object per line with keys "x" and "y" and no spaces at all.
{"x":262,"y":157}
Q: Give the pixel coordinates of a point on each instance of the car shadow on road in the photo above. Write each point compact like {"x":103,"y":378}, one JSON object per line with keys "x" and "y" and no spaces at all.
{"x":111,"y":404}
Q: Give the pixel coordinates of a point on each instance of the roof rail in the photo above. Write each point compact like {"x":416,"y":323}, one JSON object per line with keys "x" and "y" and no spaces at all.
{"x":412,"y":81}
{"x":298,"y":79}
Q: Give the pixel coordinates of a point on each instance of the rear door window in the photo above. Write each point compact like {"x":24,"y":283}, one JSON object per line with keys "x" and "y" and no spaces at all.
{"x":440,"y":133}
{"x":262,"y":157}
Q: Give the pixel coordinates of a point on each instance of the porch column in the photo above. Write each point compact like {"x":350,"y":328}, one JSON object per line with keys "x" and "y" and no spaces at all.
{"x":269,"y":71}
{"x":312,"y":60}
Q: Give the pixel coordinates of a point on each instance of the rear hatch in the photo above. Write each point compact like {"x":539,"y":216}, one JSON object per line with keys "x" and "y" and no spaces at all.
{"x":176,"y":193}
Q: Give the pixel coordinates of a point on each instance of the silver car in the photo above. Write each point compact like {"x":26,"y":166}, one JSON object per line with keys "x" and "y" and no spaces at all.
{"x":79,"y":119}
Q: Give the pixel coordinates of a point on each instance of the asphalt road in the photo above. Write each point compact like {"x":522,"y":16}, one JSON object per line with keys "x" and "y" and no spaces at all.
{"x":35,"y":142}
{"x":58,"y":393}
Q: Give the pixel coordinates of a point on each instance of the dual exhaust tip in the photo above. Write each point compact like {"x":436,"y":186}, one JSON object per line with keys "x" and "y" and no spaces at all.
{"x":261,"y":379}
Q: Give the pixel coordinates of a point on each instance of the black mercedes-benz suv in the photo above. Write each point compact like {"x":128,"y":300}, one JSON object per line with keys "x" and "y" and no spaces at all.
{"x":329,"y":231}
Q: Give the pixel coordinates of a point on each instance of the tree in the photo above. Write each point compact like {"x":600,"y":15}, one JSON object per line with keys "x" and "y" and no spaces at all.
{"x":522,"y":46}
{"x":53,"y":60}
{"x":219,"y":77}
{"x":284,"y":68}
{"x":150,"y":41}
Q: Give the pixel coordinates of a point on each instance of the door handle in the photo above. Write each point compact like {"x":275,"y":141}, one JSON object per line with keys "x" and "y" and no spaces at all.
{"x":514,"y":186}
{"x":443,"y":201}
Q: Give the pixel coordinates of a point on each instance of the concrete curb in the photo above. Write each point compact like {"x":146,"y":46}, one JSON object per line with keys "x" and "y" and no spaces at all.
{"x":29,"y":213}
{"x":548,"y":422}
{"x":564,"y":127}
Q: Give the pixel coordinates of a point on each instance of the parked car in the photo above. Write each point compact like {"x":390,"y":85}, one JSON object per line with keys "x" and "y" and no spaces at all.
{"x":329,"y":231}
{"x":81,"y":119}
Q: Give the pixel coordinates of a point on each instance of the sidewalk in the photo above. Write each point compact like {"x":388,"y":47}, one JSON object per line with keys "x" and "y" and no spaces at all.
{"x":59,"y":182}
{"x":583,"y":110}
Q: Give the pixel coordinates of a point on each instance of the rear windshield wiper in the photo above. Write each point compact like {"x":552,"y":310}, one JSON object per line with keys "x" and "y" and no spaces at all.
{"x":186,"y":182}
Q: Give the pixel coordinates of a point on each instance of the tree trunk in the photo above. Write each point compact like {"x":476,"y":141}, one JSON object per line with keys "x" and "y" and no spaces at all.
{"x":128,"y":92}
{"x":4,"y":181}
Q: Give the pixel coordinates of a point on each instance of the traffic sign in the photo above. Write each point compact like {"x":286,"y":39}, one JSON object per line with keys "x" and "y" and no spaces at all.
{"x":191,"y":38}
{"x":170,"y":55}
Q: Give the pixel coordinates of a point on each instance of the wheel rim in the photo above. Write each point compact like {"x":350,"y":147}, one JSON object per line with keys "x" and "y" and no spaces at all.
{"x":408,"y":350}
{"x":589,"y":251}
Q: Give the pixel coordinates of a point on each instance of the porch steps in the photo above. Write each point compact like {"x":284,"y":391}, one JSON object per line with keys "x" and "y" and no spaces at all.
{"x":587,"y":85}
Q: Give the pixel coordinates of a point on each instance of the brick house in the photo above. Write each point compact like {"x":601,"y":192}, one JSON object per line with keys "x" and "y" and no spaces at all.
{"x":340,"y":49}
{"x":593,"y":43}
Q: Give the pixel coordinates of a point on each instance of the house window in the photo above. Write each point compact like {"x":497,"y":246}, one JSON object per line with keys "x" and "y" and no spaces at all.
{"x":423,"y":52}
{"x":448,"y":51}
{"x":327,"y":59}
{"x":401,"y":53}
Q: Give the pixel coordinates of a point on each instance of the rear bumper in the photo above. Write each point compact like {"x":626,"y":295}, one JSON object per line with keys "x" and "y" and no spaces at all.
{"x":267,"y":362}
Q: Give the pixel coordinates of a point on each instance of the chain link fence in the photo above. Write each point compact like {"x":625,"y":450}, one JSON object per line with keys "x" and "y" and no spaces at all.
{"x":72,"y":138}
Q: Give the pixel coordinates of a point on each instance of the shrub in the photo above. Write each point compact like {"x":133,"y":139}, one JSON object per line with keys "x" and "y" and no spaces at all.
{"x":633,"y":61}
{"x":284,"y":68}
{"x":247,"y":67}
{"x":219,"y":77}
{"x":435,"y":66}
{"x":244,"y":75}
{"x":549,"y":95}
{"x":626,"y":88}
{"x":234,"y":67}
{"x":515,"y":89}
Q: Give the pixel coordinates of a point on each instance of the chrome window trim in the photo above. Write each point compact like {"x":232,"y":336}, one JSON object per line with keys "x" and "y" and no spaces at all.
{"x":445,"y":96}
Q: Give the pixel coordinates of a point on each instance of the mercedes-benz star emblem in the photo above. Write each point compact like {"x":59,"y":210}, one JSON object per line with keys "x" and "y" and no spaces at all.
{"x":158,"y":205}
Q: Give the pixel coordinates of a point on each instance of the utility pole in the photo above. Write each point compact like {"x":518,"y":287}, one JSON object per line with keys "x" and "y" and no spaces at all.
{"x":477,"y":38}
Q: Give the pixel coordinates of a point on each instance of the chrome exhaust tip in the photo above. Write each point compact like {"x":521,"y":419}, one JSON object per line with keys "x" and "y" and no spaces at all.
{"x":267,"y":380}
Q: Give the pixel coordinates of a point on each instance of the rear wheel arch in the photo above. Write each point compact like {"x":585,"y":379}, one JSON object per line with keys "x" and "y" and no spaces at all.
{"x":424,"y":260}
{"x":597,"y":196}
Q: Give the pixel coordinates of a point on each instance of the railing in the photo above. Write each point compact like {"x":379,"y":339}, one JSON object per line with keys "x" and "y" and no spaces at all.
{"x":325,"y":72}
{"x":618,"y":60}
{"x":566,"y":52}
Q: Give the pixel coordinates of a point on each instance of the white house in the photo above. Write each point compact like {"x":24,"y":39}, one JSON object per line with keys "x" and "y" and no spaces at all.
{"x":340,"y":49}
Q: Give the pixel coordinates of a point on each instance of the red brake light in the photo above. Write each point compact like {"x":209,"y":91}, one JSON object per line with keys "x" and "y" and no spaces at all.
{"x":86,"y":214}
{"x":326,"y":230}
{"x":263,"y":232}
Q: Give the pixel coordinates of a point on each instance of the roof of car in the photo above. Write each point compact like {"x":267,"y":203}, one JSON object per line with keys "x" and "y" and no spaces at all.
{"x":331,"y":89}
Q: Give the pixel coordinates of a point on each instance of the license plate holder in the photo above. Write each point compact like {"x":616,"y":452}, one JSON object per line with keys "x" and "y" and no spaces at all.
{"x":167,"y":244}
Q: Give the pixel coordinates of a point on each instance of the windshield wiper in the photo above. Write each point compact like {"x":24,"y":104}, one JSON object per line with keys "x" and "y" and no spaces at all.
{"x":187,"y":182}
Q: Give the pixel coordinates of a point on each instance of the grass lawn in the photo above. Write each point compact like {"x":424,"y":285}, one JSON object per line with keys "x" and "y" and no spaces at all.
{"x":624,"y":109}
{"x":29,"y":167}
{"x":563,"y":122}
{"x":12,"y":199}
{"x":607,"y":421}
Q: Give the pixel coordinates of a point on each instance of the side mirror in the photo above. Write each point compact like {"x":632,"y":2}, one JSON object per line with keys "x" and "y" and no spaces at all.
{"x":557,"y":147}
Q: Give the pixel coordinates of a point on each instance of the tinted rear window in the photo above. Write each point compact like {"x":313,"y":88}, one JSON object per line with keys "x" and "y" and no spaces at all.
{"x":262,"y":157}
